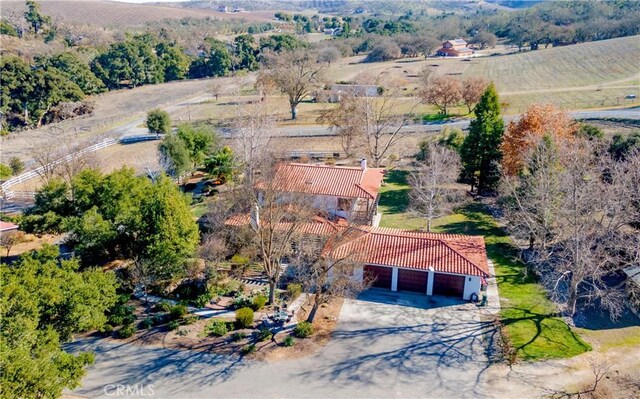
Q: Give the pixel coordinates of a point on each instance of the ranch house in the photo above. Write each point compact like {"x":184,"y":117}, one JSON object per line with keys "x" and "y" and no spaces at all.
{"x":454,"y":48}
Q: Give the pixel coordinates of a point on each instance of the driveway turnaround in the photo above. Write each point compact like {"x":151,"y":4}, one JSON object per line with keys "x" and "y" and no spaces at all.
{"x":386,"y":345}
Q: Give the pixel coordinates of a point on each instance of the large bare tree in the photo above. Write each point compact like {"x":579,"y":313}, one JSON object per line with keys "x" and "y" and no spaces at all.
{"x":376,"y":124}
{"x":296,"y":73}
{"x":576,"y":206}
{"x":327,"y":273}
{"x":441,"y":92}
{"x":432,"y":194}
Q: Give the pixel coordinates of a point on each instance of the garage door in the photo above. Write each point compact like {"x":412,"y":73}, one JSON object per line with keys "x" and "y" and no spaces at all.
{"x":381,"y":276}
{"x":448,"y":284}
{"x":411,"y":280}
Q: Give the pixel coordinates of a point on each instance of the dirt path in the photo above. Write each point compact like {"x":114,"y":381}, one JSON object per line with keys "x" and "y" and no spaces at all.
{"x":115,"y":112}
{"x":564,"y":375}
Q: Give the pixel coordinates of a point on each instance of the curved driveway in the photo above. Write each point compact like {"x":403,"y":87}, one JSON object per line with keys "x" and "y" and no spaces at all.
{"x":386,"y":345}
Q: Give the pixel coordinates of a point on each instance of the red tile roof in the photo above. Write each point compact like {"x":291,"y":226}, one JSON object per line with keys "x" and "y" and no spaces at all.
{"x":6,"y":226}
{"x":340,"y":181}
{"x":446,"y":253}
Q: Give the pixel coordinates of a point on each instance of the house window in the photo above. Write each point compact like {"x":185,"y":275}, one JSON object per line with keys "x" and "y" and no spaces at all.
{"x":344,"y":204}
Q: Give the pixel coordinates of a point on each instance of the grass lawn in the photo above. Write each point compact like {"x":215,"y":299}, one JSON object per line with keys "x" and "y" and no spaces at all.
{"x":198,"y":210}
{"x":527,"y":313}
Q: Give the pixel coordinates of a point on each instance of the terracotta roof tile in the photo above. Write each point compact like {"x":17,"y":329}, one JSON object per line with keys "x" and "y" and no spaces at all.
{"x":340,"y":181}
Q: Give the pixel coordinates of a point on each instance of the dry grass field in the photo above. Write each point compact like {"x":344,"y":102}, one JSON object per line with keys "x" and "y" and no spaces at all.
{"x":108,"y":13}
{"x":578,"y":76}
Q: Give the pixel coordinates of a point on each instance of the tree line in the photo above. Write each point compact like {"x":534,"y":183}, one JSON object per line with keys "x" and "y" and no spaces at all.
{"x":563,"y":188}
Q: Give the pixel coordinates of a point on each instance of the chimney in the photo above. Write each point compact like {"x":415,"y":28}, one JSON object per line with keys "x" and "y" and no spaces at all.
{"x":363,"y":164}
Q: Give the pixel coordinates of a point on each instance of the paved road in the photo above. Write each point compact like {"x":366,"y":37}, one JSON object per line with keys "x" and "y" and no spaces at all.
{"x":386,"y":345}
{"x":319,"y":131}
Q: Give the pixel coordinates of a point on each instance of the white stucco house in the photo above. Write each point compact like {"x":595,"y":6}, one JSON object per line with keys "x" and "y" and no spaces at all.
{"x":395,"y":259}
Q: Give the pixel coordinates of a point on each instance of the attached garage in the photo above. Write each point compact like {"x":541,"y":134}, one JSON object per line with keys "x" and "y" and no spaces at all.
{"x":448,"y":285}
{"x":412,"y":280}
{"x":380,"y":275}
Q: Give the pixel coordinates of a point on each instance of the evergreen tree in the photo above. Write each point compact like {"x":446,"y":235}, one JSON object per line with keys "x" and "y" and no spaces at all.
{"x":480,"y":152}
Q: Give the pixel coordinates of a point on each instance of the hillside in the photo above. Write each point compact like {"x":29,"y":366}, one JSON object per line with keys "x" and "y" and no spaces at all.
{"x":109,"y":13}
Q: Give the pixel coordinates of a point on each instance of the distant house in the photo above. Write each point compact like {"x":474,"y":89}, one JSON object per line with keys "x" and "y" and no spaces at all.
{"x":336,"y":91}
{"x":238,"y":9}
{"x":333,"y":31}
{"x":454,"y":48}
{"x":223,"y":9}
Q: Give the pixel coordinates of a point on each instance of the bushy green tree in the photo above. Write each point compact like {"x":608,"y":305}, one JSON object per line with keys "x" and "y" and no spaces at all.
{"x":280,"y":43}
{"x":16,"y":165}
{"x":74,"y":69}
{"x":43,"y":301}
{"x":158,"y":121}
{"x":173,"y":61}
{"x":245,"y":49}
{"x":198,"y":140}
{"x":133,"y":62}
{"x":174,"y":155}
{"x":34,"y":16}
{"x":217,"y":61}
{"x":221,"y":164}
{"x":5,"y":171}
{"x":480,"y":152}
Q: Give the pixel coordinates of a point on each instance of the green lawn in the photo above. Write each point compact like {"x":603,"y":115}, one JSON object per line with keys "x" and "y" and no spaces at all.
{"x":527,"y":313}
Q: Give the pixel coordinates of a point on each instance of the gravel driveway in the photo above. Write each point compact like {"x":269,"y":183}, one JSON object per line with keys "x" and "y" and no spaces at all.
{"x":386,"y":345}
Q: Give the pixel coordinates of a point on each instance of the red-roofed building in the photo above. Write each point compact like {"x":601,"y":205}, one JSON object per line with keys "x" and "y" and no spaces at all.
{"x":454,"y":48}
{"x":345,"y":192}
{"x":430,"y":263}
{"x":6,"y":226}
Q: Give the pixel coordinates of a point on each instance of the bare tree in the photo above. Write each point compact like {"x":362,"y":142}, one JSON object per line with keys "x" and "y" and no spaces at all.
{"x":47,"y":165}
{"x":74,"y":160}
{"x":599,"y":368}
{"x":329,"y":55}
{"x":373,"y":121}
{"x":431,"y":193}
{"x":578,"y":211}
{"x":441,"y":92}
{"x":326,"y":273}
{"x":217,"y":88}
{"x":253,"y":126}
{"x":9,"y":239}
{"x":472,"y":89}
{"x":296,"y":74}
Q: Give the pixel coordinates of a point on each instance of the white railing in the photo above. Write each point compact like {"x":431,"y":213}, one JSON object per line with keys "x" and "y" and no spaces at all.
{"x":8,"y":194}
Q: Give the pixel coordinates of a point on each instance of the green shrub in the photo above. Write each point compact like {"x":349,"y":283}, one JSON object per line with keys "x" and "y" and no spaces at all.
{"x":162,"y":306}
{"x":259,"y":302}
{"x":202,"y":300}
{"x":190,"y":319}
{"x":177,"y":311}
{"x":146,"y":323}
{"x":126,"y":331}
{"x":264,"y":334}
{"x":106,"y":330}
{"x":244,"y":317}
{"x":288,"y":341}
{"x":294,"y":290}
{"x":242,"y":302}
{"x":173,"y":324}
{"x":158,"y":319}
{"x":128,"y":319}
{"x":238,"y":336}
{"x":303,"y":330}
{"x":217,"y":328}
{"x":183,"y":332}
{"x":247,"y":349}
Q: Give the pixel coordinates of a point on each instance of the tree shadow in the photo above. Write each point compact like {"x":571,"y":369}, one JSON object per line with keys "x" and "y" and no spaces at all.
{"x":428,"y":352}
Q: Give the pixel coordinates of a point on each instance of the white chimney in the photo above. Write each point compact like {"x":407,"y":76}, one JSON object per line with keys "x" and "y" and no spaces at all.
{"x":363,"y":164}
{"x":255,"y":218}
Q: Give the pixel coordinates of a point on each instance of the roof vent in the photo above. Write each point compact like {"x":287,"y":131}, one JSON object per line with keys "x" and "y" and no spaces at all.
{"x":363,"y":164}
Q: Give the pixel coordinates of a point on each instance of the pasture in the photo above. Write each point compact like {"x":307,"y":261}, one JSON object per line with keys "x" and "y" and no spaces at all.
{"x":110,"y":13}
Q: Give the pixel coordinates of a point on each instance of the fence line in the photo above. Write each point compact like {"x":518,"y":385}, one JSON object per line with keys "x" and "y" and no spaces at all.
{"x":36,"y":172}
